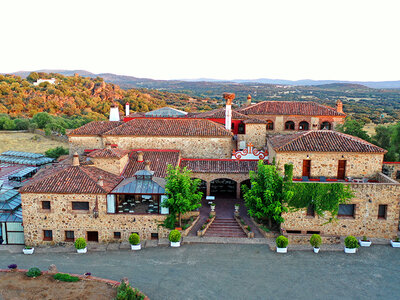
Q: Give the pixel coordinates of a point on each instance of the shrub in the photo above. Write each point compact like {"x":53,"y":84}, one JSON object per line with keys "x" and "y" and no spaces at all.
{"x":397,"y":239}
{"x":12,"y":266}
{"x":351,"y":242}
{"x":126,"y":292}
{"x":80,"y":243}
{"x":65,"y":277}
{"x":364,"y":238}
{"x":56,"y":152}
{"x":174,"y":236}
{"x":315,"y":240}
{"x":134,"y":239}
{"x":34,"y":272}
{"x":282,"y":241}
{"x":28,"y":247}
{"x":248,"y":228}
{"x":266,"y":229}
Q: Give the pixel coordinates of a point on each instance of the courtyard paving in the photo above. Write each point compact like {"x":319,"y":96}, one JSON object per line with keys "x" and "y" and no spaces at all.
{"x":223,"y":271}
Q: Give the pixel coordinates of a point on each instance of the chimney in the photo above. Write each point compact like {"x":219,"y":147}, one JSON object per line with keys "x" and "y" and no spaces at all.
{"x":140,"y":156}
{"x":75,"y":160}
{"x":228,"y":110}
{"x":339,"y":106}
{"x":108,"y":145}
{"x":147,"y":165}
{"x":248,"y":102}
{"x":100,"y":181}
{"x":127,"y":109}
{"x":114,"y":113}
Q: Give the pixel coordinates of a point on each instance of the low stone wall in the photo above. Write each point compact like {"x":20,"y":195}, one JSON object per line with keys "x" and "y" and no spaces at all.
{"x":267,"y":235}
{"x":61,"y":138}
{"x":249,"y":234}
{"x":187,"y":230}
{"x":202,"y":232}
{"x":299,"y":239}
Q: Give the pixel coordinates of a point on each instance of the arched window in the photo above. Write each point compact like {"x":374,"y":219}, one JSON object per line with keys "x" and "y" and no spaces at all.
{"x":326,"y":125}
{"x":304,"y":125}
{"x":289,"y":125}
{"x":241,"y":128}
{"x":270,"y":125}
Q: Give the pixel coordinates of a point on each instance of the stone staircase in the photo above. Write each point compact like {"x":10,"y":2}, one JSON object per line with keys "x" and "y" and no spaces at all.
{"x":225,"y":227}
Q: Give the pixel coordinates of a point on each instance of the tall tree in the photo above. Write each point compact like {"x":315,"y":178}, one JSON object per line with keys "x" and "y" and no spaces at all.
{"x":354,"y":127}
{"x":183,"y":192}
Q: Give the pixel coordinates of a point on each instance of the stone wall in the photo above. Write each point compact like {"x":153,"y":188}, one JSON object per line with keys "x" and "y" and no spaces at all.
{"x":314,"y":122}
{"x":326,"y":163}
{"x":392,"y":169}
{"x":112,"y":165}
{"x":80,"y":143}
{"x":256,"y":134}
{"x":62,"y":218}
{"x":368,"y":196}
{"x":190,"y":147}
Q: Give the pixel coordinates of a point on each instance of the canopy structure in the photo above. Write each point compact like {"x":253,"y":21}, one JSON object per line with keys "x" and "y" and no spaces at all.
{"x":10,"y":206}
{"x":25,"y":158}
{"x":23,"y":174}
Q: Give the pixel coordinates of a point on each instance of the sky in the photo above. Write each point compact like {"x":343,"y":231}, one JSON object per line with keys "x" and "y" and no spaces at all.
{"x":173,"y":39}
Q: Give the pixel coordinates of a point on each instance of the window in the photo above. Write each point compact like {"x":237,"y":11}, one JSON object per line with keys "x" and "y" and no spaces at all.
{"x":270,"y":125}
{"x":289,"y":125}
{"x":233,"y":126}
{"x":304,"y":125}
{"x":313,"y":232}
{"x":92,"y":236}
{"x":46,"y":205}
{"x":69,"y":236}
{"x":241,"y":128}
{"x":398,"y":175}
{"x":382,"y":211}
{"x":346,"y":210}
{"x":80,"y":205}
{"x":154,"y":236}
{"x":326,"y":125}
{"x":293,"y":231}
{"x":47,"y":235}
{"x":117,"y":235}
{"x":310,"y":211}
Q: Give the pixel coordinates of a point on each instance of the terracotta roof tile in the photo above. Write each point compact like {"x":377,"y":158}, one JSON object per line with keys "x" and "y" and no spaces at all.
{"x":219,"y":113}
{"x":108,"y":153}
{"x":169,"y":127}
{"x":322,"y":141}
{"x":159,"y":160}
{"x":95,"y":128}
{"x":290,"y":108}
{"x":219,"y":165}
{"x":72,"y":180}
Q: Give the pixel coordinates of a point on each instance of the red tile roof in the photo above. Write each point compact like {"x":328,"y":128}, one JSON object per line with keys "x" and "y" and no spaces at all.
{"x":322,"y":141}
{"x":96,"y":128}
{"x":108,"y":153}
{"x":169,"y":127}
{"x":219,"y":113}
{"x":290,"y":108}
{"x":159,"y":160}
{"x":219,"y":165}
{"x":72,"y":180}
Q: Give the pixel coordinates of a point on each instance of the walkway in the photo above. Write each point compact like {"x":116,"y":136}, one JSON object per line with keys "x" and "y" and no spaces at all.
{"x":236,"y":271}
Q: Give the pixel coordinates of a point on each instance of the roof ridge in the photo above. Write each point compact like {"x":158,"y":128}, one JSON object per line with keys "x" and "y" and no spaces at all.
{"x":81,"y":168}
{"x":299,"y":134}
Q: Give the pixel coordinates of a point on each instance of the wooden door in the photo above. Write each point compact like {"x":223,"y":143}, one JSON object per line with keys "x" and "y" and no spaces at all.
{"x":341,"y":173}
{"x":306,"y":167}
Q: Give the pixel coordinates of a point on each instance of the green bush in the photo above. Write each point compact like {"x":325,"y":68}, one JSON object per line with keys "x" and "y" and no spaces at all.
{"x":174,"y":236}
{"x":126,"y":292}
{"x":80,"y":243}
{"x":316,"y":240}
{"x":282,"y":241}
{"x":351,"y":242}
{"x":65,"y":277}
{"x":34,"y":272}
{"x":56,"y":152}
{"x":134,"y":239}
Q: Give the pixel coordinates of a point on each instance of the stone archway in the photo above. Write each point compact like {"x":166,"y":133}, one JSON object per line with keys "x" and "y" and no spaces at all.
{"x":223,"y":187}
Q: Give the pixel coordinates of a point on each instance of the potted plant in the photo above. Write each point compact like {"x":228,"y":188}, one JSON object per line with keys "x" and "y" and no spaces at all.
{"x":395,"y":243}
{"x":351,"y":244}
{"x":364,"y":242}
{"x":28,"y":250}
{"x":134,"y":240}
{"x":212,"y":206}
{"x":237,"y":205}
{"x":281,"y":244}
{"x":80,"y":245}
{"x":316,"y":242}
{"x":175,"y":238}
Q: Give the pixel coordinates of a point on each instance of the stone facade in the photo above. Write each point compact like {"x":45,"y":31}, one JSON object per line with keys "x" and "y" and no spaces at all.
{"x":112,"y":165}
{"x":255,"y":134}
{"x":368,"y":197}
{"x":80,"y":143}
{"x":190,"y":147}
{"x":61,"y":218}
{"x":326,"y":163}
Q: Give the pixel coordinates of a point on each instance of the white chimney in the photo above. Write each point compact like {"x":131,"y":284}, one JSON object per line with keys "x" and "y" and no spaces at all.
{"x":75,"y":160}
{"x":140,"y":156}
{"x":147,"y":165}
{"x":127,"y":109}
{"x":114,"y":113}
{"x":228,"y":110}
{"x":100,"y":181}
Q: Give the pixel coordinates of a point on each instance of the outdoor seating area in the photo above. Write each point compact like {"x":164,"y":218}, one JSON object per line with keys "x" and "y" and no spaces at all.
{"x":138,"y":204}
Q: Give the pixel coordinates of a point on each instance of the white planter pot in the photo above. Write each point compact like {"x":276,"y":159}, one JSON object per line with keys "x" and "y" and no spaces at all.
{"x":136,"y":247}
{"x":28,"y":251}
{"x":281,"y":250}
{"x":237,"y":208}
{"x":175,"y":244}
{"x":364,"y":243}
{"x":350,"y":250}
{"x":84,"y":250}
{"x":212,"y":208}
{"x":395,"y":244}
{"x":316,"y":250}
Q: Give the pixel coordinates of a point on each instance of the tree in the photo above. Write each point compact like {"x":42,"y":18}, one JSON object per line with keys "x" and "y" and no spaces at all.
{"x":9,"y":124}
{"x":56,"y":152}
{"x":354,"y":127}
{"x":21,"y":124}
{"x":183,"y":192}
{"x":267,"y":195}
{"x":33,"y":77}
{"x":42,"y":119}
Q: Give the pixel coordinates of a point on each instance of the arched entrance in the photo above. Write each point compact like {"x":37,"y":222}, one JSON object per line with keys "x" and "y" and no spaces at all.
{"x":304,"y":125}
{"x":223,"y":187}
{"x":203,"y":187}
{"x":246,"y":183}
{"x":326,"y":125}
